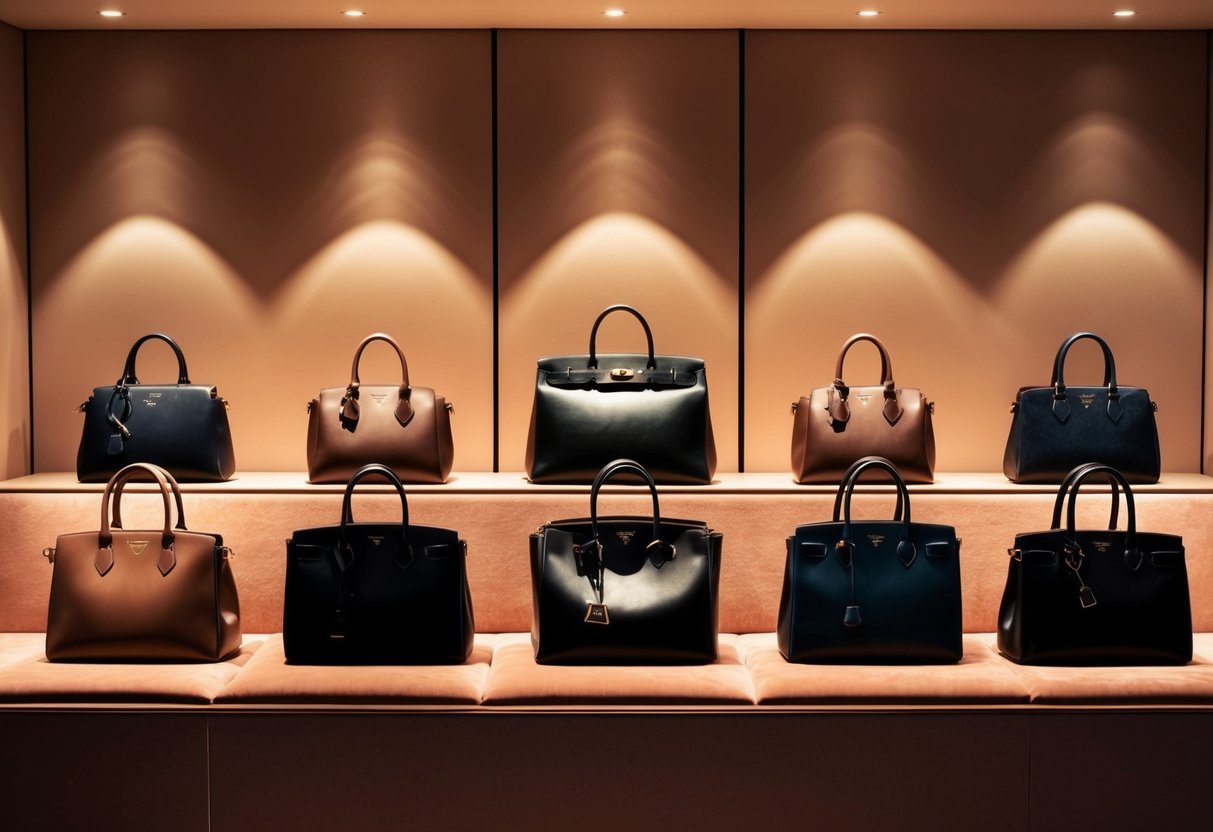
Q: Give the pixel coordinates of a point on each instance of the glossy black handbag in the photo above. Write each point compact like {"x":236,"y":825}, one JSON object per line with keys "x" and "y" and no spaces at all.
{"x":591,"y":409}
{"x":871,"y":591}
{"x":1059,"y":427}
{"x":624,"y":590}
{"x":1096,"y":597}
{"x":376,"y":593}
{"x":180,"y":427}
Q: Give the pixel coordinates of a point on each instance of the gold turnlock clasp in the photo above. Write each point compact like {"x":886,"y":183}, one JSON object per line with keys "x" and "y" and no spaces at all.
{"x":49,"y":554}
{"x":622,"y":374}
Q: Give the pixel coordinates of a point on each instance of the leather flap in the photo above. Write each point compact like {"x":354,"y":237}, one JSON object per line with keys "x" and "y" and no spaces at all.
{"x":1167,"y":560}
{"x":813,"y":550}
{"x":939,"y":550}
{"x":1040,"y":557}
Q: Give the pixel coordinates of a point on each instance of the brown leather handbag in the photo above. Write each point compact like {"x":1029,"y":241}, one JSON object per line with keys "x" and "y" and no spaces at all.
{"x":406,"y":428}
{"x":836,"y":425}
{"x":161,"y":595}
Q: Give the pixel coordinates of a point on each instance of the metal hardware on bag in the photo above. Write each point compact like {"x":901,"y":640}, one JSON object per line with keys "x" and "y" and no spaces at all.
{"x":226,"y":405}
{"x":673,"y":549}
{"x":227,"y":553}
{"x":1014,"y":406}
{"x":1086,"y":596}
{"x":1016,"y":553}
{"x":137,"y":547}
{"x":621,"y":374}
{"x":596,"y":613}
{"x":931,"y":408}
{"x":1154,"y":406}
{"x":794,"y":406}
{"x":83,"y":408}
{"x":309,"y":406}
{"x":49,"y":554}
{"x":569,"y":373}
{"x":673,"y":375}
{"x":450,"y":407}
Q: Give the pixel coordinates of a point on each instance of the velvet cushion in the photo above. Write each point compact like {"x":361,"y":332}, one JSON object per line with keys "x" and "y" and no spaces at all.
{"x":516,"y":679}
{"x":268,"y":678}
{"x":34,"y":679}
{"x":17,"y":646}
{"x":980,"y":677}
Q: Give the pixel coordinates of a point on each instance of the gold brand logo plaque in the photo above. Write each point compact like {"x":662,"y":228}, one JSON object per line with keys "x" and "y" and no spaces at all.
{"x":137,"y":546}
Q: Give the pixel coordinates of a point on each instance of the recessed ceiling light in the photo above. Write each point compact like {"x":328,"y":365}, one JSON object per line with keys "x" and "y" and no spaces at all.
{"x":111,"y":13}
{"x":1124,"y":13}
{"x":614,"y":12}
{"x":868,"y":13}
{"x":354,"y":13}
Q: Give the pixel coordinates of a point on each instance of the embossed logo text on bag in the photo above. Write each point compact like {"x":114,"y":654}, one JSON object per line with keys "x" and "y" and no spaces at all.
{"x":137,"y":546}
{"x":876,"y":539}
{"x":1101,"y":545}
{"x":625,"y":537}
{"x":378,"y":397}
{"x":1086,"y":399}
{"x":376,"y":539}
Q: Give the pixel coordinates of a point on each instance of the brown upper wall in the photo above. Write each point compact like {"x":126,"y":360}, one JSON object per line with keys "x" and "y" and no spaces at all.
{"x":267,"y":198}
{"x":972,"y":198}
{"x":14,"y":287}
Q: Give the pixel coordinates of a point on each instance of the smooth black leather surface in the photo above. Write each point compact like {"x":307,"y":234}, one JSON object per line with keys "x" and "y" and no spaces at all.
{"x":181,"y":427}
{"x":592,"y":408}
{"x":376,"y":593}
{"x":661,"y":602}
{"x":1059,"y":427}
{"x":1137,"y":580}
{"x":889,"y":594}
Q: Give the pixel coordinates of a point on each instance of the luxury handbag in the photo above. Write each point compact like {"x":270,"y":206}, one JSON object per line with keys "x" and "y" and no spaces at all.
{"x":180,"y":427}
{"x":591,"y":409}
{"x":163,"y":595}
{"x":624,"y":590}
{"x":1096,"y":597}
{"x":376,"y":593}
{"x":1056,"y":428}
{"x":871,"y":591}
{"x":406,"y":428}
{"x":836,"y":425}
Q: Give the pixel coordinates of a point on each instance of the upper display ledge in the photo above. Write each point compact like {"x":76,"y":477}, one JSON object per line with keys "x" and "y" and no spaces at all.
{"x":288,"y":482}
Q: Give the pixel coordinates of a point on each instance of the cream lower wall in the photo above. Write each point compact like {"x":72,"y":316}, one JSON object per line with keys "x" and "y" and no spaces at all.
{"x":14,"y":286}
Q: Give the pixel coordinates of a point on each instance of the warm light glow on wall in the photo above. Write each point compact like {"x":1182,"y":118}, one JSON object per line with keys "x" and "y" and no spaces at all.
{"x":1124,"y":13}
{"x":354,"y":13}
{"x":614,"y":12}
{"x":868,"y":13}
{"x":111,"y":13}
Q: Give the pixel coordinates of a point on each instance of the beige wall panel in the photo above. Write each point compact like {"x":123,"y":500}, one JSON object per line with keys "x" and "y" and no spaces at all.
{"x":972,"y":198}
{"x":14,"y":287}
{"x":618,"y":183}
{"x":268,"y":198}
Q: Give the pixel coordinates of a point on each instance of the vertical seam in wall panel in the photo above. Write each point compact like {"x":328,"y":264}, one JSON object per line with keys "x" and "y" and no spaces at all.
{"x":209,"y":795}
{"x":29,"y":254}
{"x":496,"y":266}
{"x":741,"y":250}
{"x":1204,"y":329}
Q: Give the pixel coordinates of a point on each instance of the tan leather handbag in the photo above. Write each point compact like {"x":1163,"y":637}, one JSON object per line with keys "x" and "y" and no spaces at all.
{"x":406,"y":428}
{"x":836,"y":425}
{"x":162,"y":595}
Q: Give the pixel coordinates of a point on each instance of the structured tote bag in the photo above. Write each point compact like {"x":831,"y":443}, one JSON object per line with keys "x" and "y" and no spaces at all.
{"x":838,"y":424}
{"x":624,"y":590}
{"x":591,"y":409}
{"x":1056,"y":428}
{"x":871,"y":591}
{"x":181,"y":427}
{"x":406,"y":428}
{"x":126,"y":595}
{"x":1102,"y":597}
{"x":376,"y":593}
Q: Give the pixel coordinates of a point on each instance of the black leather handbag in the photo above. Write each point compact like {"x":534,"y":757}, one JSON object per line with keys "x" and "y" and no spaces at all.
{"x":1056,"y":428}
{"x":376,"y":593}
{"x":181,"y":427}
{"x":624,"y":590}
{"x":1097,"y":597}
{"x":591,"y":409}
{"x":871,"y":591}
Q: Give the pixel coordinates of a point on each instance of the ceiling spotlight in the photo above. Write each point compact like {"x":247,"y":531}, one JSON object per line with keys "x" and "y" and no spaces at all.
{"x":354,"y":13}
{"x":868,"y":13}
{"x":614,"y":12}
{"x":111,"y":13}
{"x":1124,"y":13}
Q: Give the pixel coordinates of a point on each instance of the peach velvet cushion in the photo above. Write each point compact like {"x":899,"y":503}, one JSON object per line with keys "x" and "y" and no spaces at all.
{"x":34,"y":679}
{"x":980,"y":677}
{"x":268,"y":678}
{"x":1168,"y":684}
{"x":17,"y":646}
{"x":516,"y":679}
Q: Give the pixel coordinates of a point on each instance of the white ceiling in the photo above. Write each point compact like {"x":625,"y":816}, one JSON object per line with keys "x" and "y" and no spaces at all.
{"x":587,"y":14}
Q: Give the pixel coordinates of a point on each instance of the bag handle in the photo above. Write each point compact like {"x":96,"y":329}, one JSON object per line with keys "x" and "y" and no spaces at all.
{"x":847,"y":476}
{"x":128,"y":371}
{"x":1113,"y":518}
{"x":345,"y":552}
{"x":1061,"y":407}
{"x":1074,"y":553}
{"x":838,"y":408}
{"x":648,"y":334}
{"x":116,"y":513}
{"x":350,"y":409}
{"x":104,"y":560}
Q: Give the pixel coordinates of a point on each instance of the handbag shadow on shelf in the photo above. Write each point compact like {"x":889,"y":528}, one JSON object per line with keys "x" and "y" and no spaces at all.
{"x":591,"y":409}
{"x":180,"y":427}
{"x":1096,"y":597}
{"x":871,"y":591}
{"x":137,"y":595}
{"x":625,"y":590}
{"x":836,"y":425}
{"x":1056,"y":428}
{"x":406,"y":428}
{"x":376,"y":593}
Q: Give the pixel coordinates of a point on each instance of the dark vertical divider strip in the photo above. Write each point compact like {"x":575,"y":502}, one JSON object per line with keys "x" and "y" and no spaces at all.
{"x":741,"y":250}
{"x":29,"y":253}
{"x":1204,"y":333}
{"x":496,"y":272}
